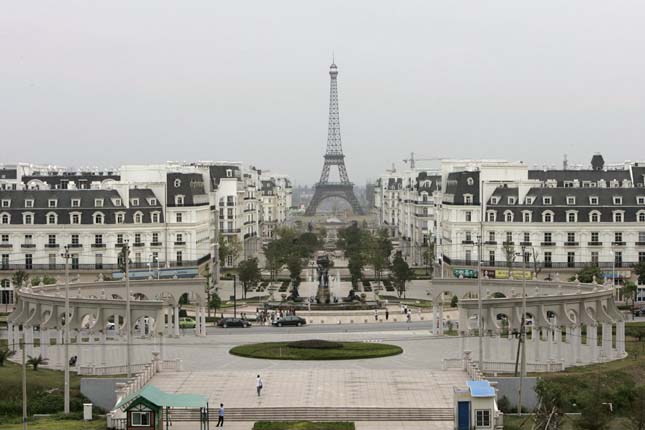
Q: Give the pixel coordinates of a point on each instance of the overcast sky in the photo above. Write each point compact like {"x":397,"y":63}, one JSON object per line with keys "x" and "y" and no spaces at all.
{"x":112,"y":82}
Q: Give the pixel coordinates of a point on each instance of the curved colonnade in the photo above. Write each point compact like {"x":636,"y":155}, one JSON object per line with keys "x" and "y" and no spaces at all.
{"x":98,"y":322}
{"x":563,"y":320}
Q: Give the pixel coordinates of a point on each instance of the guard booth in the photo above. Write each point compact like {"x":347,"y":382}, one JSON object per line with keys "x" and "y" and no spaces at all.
{"x":476,"y":407}
{"x":150,"y":408}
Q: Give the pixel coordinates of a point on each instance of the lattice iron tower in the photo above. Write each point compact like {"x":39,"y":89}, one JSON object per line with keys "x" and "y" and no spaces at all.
{"x":334,"y":156}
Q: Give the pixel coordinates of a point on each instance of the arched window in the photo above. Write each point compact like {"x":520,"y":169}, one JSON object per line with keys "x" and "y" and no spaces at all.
{"x":526,"y":216}
{"x":99,"y":218}
{"x":155,"y":217}
{"x":52,"y":218}
{"x":5,"y":218}
{"x":28,"y":218}
{"x":470,"y":181}
{"x":138,"y":218}
{"x":508,"y":216}
{"x":491,"y":216}
{"x":594,"y":216}
{"x":641,"y":216}
{"x":547,"y":216}
{"x":177,"y":183}
{"x":572,"y":216}
{"x":618,"y":216}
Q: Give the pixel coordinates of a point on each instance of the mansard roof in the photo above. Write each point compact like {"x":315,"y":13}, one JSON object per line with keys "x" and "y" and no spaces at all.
{"x":459,"y":184}
{"x":54,"y":180}
{"x":218,"y":172}
{"x":189,"y":185}
{"x":562,"y":176}
{"x":8,"y":173}
{"x":422,"y":179}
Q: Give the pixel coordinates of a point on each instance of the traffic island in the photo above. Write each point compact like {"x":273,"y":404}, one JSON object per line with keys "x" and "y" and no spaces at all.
{"x":316,"y":350}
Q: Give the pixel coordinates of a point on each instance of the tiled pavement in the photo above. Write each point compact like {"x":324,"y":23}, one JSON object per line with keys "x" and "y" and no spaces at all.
{"x":365,"y":425}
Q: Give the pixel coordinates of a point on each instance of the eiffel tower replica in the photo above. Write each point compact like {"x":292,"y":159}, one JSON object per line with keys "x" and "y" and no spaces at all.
{"x":334,"y":156}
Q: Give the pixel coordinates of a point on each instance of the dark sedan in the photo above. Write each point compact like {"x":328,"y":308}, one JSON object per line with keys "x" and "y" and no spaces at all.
{"x":290,"y":320}
{"x":233,"y":322}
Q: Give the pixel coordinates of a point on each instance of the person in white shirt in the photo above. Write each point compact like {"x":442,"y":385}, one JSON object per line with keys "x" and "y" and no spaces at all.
{"x":258,"y":385}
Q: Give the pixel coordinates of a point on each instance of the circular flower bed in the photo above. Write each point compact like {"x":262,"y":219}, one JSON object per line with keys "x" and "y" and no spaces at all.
{"x":316,"y":350}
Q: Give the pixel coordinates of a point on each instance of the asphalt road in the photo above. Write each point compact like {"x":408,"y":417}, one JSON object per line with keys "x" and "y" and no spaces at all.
{"x":322,"y":328}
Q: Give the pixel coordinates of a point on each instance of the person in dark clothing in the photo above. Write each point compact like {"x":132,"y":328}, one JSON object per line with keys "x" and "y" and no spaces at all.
{"x":220,"y":416}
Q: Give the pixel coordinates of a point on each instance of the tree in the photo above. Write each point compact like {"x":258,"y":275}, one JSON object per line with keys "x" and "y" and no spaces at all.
{"x":636,"y":411}
{"x":230,"y":247}
{"x":550,"y":410}
{"x":36,"y":361}
{"x":355,"y":266}
{"x":401,"y":273}
{"x":294,"y":265}
{"x":537,"y":267}
{"x":428,"y":258}
{"x":214,"y":302}
{"x":629,"y":291}
{"x":4,"y":355}
{"x":454,"y":301}
{"x":207,"y":286}
{"x":594,"y":410}
{"x":587,"y":273}
{"x":274,"y":256}
{"x":249,"y":273}
{"x":509,"y":254}
{"x":308,"y":244}
{"x":640,"y":272}
{"x":48,"y":280}
{"x":20,"y":278}
{"x":379,"y":251}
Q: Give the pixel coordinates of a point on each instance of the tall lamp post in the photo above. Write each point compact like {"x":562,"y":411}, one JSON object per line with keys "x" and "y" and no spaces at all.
{"x":480,"y":325}
{"x":66,"y":334}
{"x":522,"y":334}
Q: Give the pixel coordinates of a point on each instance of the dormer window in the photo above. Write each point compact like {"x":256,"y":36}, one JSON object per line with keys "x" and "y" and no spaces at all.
{"x":155,"y":217}
{"x":117,"y":202}
{"x":6,"y":203}
{"x":491,"y":216}
{"x":5,"y":218}
{"x":494,"y":200}
{"x":571,"y":200}
{"x":640,"y":200}
{"x":572,"y":216}
{"x":470,"y":181}
{"x":511,"y":200}
{"x":530,"y":200}
{"x":99,"y":218}
{"x":52,"y":203}
{"x":120,"y":217}
{"x":526,"y":216}
{"x":593,"y":200}
{"x":29,"y":203}
{"x":177,"y":183}
{"x":98,"y":203}
{"x":547,"y":216}
{"x":75,"y":218}
{"x":508,"y":216}
{"x":28,"y":218}
{"x":229,"y":173}
{"x":594,"y":216}
{"x":618,"y":200}
{"x":468,"y":199}
{"x":52,"y":218}
{"x":138,"y":218}
{"x":76,"y":203}
{"x":179,"y":200}
{"x":134,"y":202}
{"x":152,"y":202}
{"x":618,"y":216}
{"x":546,"y":200}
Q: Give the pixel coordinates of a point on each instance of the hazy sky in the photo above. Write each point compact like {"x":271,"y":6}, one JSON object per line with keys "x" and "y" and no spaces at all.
{"x":112,"y":82}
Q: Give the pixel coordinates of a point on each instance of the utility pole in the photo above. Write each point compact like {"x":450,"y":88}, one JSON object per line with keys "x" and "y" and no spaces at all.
{"x":234,"y":296}
{"x":24,"y":380}
{"x":128,"y":313}
{"x":480,"y":305}
{"x":67,"y":322}
{"x":522,"y":343}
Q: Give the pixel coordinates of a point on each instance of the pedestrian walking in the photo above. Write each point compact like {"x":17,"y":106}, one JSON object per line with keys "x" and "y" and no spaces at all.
{"x":220,"y":416}
{"x":376,"y":314}
{"x":258,"y":385}
{"x":387,"y":314}
{"x":409,"y":317}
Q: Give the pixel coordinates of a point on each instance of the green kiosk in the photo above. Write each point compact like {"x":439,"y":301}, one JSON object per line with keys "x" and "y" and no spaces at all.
{"x":149,"y":408}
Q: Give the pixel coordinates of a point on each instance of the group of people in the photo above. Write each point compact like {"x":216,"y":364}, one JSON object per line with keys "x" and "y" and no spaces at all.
{"x":404,"y":310}
{"x":265,"y":316}
{"x":220,"y":412}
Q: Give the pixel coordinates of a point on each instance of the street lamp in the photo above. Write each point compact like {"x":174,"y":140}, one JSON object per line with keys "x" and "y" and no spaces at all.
{"x":522,"y":343}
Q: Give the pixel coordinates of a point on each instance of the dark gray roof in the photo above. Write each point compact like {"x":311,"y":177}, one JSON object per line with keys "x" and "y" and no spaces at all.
{"x":581,"y":175}
{"x":54,"y":180}
{"x":457,"y":185}
{"x":394,"y":183}
{"x":638,"y":172}
{"x":267,"y":185}
{"x":435,"y":182}
{"x":219,"y":172}
{"x":8,"y":173}
{"x":86,"y":206}
{"x":559,"y":205}
{"x":190,"y":186}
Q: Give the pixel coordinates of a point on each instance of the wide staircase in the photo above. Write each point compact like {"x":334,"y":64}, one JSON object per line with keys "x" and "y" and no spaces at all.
{"x":319,"y":414}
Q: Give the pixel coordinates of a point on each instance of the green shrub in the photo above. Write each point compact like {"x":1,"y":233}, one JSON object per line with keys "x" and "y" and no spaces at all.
{"x":315,"y":344}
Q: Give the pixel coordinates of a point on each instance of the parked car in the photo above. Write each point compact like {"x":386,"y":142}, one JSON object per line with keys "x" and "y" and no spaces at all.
{"x":233,"y":322}
{"x":290,"y":320}
{"x":187,"y":322}
{"x":639,"y":312}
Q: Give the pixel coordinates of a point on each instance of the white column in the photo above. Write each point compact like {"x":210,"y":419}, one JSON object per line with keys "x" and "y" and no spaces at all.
{"x":498,"y":348}
{"x":44,"y":342}
{"x":559,"y":345}
{"x":10,"y":338}
{"x":79,"y":341}
{"x":606,"y":340}
{"x":620,"y":337}
{"x":577,"y":339}
{"x":203,"y":321}
{"x":435,"y":319}
{"x":29,"y":340}
{"x":536,"y":343}
{"x":592,"y":341}
{"x":198,"y":321}
{"x":17,"y":336}
{"x":441,"y":318}
{"x":92,"y":361}
{"x":103,"y":341}
{"x":176,"y":322}
{"x":549,"y":342}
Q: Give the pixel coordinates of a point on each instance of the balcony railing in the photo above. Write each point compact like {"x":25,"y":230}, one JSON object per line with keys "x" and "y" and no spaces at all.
{"x":640,"y":244}
{"x":138,"y":244}
{"x":180,"y":243}
{"x":155,"y":243}
{"x":230,"y":230}
{"x":490,"y":242}
{"x":571,"y":243}
{"x":508,"y":243}
{"x":52,"y":245}
{"x":28,"y":245}
{"x":526,"y":243}
{"x":592,"y":243}
{"x":618,"y":243}
{"x":467,"y":242}
{"x":5,"y":246}
{"x":98,"y":245}
{"x":547,"y":243}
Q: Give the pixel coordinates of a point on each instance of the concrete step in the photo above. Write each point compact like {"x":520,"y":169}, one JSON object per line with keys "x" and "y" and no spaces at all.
{"x":320,"y":414}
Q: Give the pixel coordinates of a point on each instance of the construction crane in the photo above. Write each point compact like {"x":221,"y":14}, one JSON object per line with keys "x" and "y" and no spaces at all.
{"x":413,"y":160}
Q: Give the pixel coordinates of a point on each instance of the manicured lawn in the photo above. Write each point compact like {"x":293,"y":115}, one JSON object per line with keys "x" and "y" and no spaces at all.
{"x":302,"y":425}
{"x":347,"y":351}
{"x":56,"y":423}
